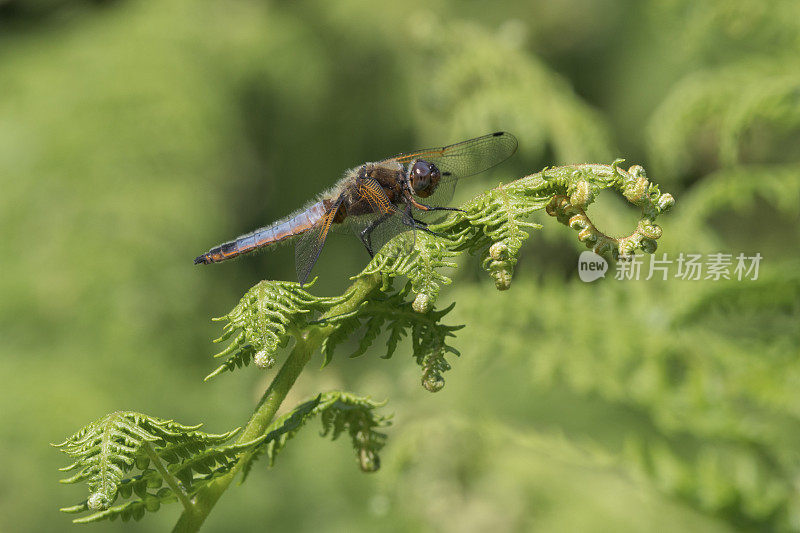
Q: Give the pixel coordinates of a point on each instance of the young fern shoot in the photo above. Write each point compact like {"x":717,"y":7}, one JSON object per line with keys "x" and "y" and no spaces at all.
{"x":145,"y":461}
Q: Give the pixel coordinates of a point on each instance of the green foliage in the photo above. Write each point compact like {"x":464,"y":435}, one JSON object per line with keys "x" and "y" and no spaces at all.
{"x":108,"y":452}
{"x":711,"y":379}
{"x":749,"y":110}
{"x":772,"y":190}
{"x":136,"y":134}
{"x":110,"y":448}
{"x":261,"y":319}
{"x":272,"y":312}
{"x":338,"y":412}
{"x":421,"y":267}
{"x":393,"y":313}
{"x":492,"y":224}
{"x":485,"y":80}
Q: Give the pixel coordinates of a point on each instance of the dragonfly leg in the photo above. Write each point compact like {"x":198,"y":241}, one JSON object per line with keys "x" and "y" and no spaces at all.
{"x":433,"y":208}
{"x":420,"y":225}
{"x":409,"y":220}
{"x":366,"y":233}
{"x":411,"y":202}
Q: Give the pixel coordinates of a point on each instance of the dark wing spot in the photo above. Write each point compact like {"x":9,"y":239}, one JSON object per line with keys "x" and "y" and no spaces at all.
{"x":447,"y":173}
{"x":498,"y":134}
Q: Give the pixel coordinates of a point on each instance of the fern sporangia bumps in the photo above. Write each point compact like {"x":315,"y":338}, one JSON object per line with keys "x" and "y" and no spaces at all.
{"x":144,"y":461}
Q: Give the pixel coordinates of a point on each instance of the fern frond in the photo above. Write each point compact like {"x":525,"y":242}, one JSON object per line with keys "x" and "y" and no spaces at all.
{"x":712,"y":368}
{"x":493,"y":224}
{"x":722,"y":106}
{"x":737,"y":189}
{"x":401,"y":318}
{"x":715,"y":479}
{"x":108,"y":450}
{"x":261,"y":320}
{"x":339,"y":411}
{"x":421,"y":267}
{"x":132,"y":510}
{"x":758,"y":191}
{"x":133,"y":455}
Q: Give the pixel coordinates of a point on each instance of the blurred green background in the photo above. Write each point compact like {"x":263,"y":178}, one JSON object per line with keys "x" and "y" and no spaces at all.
{"x":135,"y":135}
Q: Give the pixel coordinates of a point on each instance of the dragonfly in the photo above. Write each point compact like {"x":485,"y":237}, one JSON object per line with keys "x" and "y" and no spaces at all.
{"x":376,"y":201}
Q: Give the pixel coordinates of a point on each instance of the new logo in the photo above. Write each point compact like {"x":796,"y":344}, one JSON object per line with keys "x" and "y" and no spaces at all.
{"x":591,"y":266}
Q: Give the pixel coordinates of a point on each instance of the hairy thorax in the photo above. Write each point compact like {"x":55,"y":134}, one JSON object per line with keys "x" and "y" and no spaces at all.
{"x":389,"y":176}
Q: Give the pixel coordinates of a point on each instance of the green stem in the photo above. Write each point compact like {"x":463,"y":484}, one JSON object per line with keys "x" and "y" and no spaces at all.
{"x":173,"y":483}
{"x":205,"y":499}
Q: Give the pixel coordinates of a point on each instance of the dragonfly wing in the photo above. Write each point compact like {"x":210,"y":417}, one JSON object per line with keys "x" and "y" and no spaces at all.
{"x":309,"y":244}
{"x":466,"y":158}
{"x":382,"y":231}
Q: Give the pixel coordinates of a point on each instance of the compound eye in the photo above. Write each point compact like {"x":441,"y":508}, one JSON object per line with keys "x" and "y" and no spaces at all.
{"x":420,"y":176}
{"x":421,"y":169}
{"x":425,"y":178}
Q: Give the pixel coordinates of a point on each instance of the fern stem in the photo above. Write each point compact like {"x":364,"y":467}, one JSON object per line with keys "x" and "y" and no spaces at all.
{"x":173,"y":483}
{"x":201,"y":505}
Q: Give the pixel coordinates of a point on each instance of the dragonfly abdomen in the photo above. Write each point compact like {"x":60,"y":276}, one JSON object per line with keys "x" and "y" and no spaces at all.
{"x":281,"y":230}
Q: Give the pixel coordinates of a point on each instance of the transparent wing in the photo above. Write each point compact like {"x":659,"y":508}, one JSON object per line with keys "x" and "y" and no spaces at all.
{"x":309,"y":244}
{"x":383,"y":231}
{"x":467,"y":157}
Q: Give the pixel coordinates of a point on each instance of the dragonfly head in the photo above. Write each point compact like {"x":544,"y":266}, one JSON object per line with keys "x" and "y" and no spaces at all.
{"x":424,"y":178}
